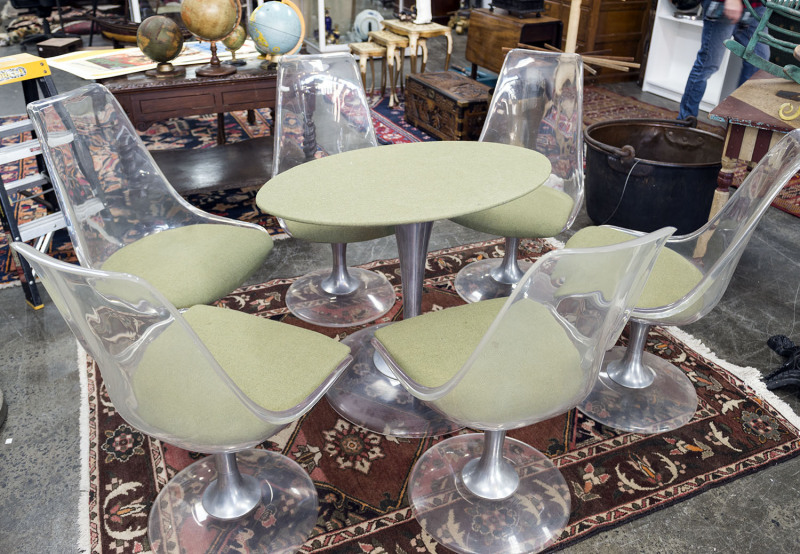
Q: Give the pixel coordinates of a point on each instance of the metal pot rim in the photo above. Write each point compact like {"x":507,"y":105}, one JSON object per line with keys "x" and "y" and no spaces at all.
{"x":624,"y":153}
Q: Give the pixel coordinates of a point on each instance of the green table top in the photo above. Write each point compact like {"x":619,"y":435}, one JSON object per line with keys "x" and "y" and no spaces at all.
{"x":403,"y":183}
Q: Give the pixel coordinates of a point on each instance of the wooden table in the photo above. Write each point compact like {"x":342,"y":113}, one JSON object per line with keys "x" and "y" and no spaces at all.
{"x":418,"y":34}
{"x":409,"y":186}
{"x":395,"y":46}
{"x":490,"y":32}
{"x":148,"y":100}
{"x":751,"y":113}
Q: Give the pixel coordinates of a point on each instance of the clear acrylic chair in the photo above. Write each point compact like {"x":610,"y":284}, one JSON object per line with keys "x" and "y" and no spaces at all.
{"x":322,"y":110}
{"x":210,"y":380}
{"x":641,"y":392}
{"x":123,"y":215}
{"x":506,"y":363}
{"x":537,"y":104}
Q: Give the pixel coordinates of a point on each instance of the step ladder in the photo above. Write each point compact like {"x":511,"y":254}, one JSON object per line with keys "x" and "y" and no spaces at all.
{"x":32,"y":72}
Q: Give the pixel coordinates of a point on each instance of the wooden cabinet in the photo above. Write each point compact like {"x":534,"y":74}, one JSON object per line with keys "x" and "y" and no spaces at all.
{"x":612,"y":27}
{"x":489,"y":32}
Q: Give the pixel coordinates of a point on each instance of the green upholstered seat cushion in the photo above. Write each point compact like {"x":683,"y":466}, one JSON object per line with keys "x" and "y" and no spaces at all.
{"x":276,"y":365}
{"x":332,"y":234}
{"x":529,"y":368}
{"x":542,"y":213}
{"x":195,"y":264}
{"x":672,"y":278}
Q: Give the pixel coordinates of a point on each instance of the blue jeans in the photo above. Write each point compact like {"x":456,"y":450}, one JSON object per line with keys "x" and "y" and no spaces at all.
{"x":712,"y":49}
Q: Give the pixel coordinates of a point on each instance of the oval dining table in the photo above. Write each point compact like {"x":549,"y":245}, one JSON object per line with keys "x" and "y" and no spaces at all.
{"x":409,"y":186}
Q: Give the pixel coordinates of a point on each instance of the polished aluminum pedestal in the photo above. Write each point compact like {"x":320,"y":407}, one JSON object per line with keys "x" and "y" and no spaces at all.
{"x":370,"y":396}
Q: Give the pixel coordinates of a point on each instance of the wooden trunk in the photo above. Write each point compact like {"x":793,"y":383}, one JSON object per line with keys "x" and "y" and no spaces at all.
{"x":447,"y":105}
{"x":614,"y":27}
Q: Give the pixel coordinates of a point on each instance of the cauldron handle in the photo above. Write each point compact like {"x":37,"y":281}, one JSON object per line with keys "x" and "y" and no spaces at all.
{"x":625,"y":154}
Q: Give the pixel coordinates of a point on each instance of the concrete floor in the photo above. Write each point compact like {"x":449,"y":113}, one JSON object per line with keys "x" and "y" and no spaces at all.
{"x":39,"y":443}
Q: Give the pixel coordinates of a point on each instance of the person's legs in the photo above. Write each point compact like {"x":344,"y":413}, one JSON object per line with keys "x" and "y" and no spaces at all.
{"x":708,"y":60}
{"x":742,"y":34}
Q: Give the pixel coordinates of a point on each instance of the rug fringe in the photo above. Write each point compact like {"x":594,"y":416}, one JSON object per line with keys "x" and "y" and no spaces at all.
{"x":84,"y":535}
{"x":749,"y":375}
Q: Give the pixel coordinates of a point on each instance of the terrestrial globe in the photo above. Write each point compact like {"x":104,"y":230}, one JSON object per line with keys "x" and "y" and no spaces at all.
{"x":233,"y":42}
{"x":211,"y":20}
{"x":160,"y":39}
{"x":277,"y":28}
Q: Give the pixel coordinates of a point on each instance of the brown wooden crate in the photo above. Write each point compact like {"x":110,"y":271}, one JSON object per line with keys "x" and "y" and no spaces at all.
{"x":447,"y":105}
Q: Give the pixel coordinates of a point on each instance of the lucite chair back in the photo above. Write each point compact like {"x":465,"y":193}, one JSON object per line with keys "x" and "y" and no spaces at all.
{"x":705,"y":261}
{"x":322,"y":107}
{"x":322,"y":110}
{"x":111,"y":190}
{"x":163,"y":380}
{"x":534,"y":355}
{"x":537,"y":104}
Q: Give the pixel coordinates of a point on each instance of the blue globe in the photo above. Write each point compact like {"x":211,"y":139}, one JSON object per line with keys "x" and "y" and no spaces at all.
{"x":275,"y":27}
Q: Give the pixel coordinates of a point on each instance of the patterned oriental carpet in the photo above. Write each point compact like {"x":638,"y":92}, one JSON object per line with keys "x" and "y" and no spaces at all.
{"x":362,"y":477}
{"x":390,"y":125}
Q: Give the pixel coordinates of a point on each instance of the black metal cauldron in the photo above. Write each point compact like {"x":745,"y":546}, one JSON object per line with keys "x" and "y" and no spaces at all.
{"x":646,"y":174}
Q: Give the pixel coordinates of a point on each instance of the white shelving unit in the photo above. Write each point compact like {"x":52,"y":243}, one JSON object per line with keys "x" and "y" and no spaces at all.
{"x":673,"y":48}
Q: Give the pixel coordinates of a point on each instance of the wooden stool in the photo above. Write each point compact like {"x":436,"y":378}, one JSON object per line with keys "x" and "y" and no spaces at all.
{"x":367,"y":52}
{"x":418,"y":35}
{"x":394,"y":59}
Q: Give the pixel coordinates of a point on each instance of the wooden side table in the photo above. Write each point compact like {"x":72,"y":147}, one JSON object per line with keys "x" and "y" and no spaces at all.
{"x":394,"y":58}
{"x":490,"y":32}
{"x":367,"y":52}
{"x":754,"y":126}
{"x":147,"y":100}
{"x":418,"y":35}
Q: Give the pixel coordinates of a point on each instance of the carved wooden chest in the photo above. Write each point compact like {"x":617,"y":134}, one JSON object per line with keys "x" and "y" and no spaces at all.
{"x":447,"y":105}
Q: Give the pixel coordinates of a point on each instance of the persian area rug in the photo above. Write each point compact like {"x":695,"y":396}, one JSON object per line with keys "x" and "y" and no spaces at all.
{"x":362,"y":477}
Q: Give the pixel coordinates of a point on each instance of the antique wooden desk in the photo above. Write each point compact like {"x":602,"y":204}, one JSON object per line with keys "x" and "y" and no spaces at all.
{"x":147,"y":100}
{"x":751,"y":113}
{"x":418,"y":34}
{"x":409,"y":186}
{"x":490,"y":32}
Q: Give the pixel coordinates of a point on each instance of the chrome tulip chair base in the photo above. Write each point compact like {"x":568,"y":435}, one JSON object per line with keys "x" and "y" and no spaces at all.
{"x":487,"y":279}
{"x":667,"y":403}
{"x":368,"y":397}
{"x":528,"y":505}
{"x":322,"y":299}
{"x":277,"y":497}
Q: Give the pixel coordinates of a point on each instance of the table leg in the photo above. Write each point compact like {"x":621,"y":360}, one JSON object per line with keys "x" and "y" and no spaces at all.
{"x":390,"y":65}
{"x":220,"y":128}
{"x":365,"y":394}
{"x":449,"y":37}
{"x":362,"y":65}
{"x":721,"y":195}
{"x":412,"y":44}
{"x":412,"y":247}
{"x":424,"y":46}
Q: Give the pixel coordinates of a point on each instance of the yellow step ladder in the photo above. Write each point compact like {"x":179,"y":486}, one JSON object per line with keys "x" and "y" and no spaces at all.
{"x":32,"y":72}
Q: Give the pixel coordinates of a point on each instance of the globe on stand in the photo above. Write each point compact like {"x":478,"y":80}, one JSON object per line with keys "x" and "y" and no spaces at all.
{"x":211,"y":20}
{"x":160,"y":39}
{"x":233,"y":42}
{"x":277,"y":28}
